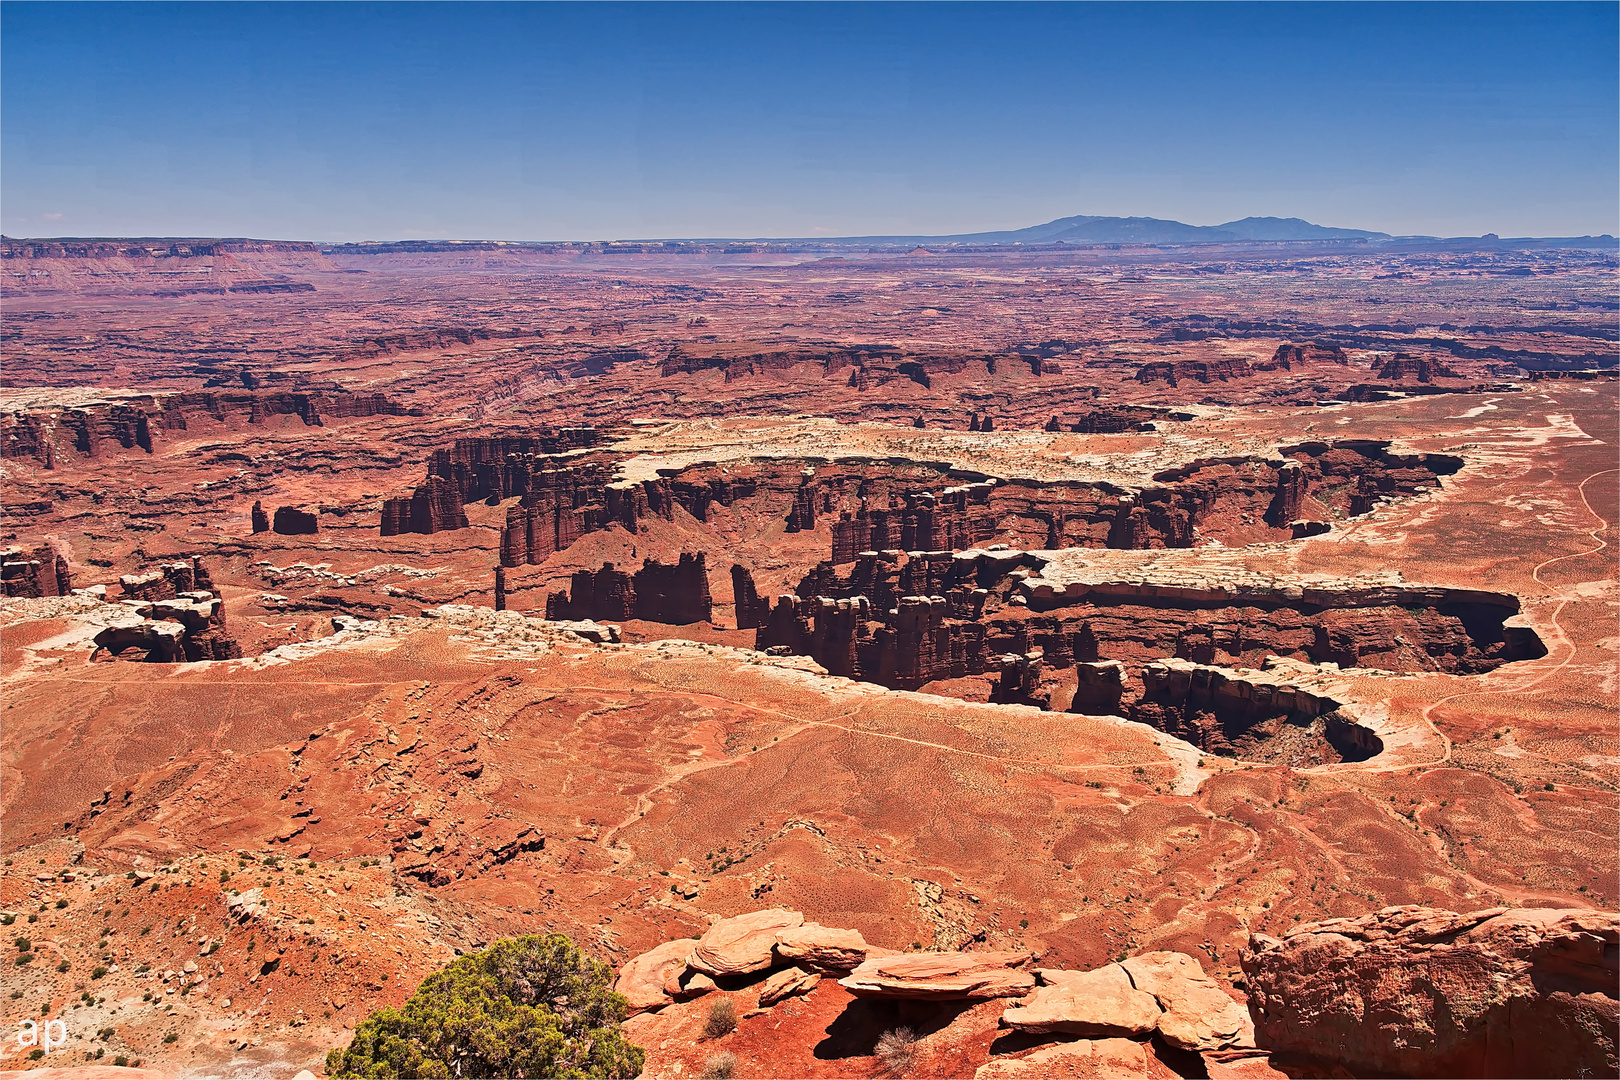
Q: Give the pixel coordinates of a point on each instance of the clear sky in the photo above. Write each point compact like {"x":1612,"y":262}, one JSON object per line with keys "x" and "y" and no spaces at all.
{"x":553,"y":121}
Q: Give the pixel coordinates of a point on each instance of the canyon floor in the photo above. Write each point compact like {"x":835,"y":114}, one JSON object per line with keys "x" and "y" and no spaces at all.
{"x":1383,"y":479}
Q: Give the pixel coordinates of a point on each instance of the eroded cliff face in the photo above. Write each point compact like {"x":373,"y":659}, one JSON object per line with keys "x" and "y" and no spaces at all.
{"x":1202,"y":371}
{"x":170,"y":268}
{"x":42,"y":571}
{"x":1289,"y":356}
{"x":53,"y":437}
{"x":174,"y":616}
{"x":1251,"y":715}
{"x":908,"y":619}
{"x":568,"y":483}
{"x":657,"y":593}
{"x":871,"y":367}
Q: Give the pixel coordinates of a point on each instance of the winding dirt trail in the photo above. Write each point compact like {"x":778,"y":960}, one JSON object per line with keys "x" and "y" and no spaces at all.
{"x":1563,"y":638}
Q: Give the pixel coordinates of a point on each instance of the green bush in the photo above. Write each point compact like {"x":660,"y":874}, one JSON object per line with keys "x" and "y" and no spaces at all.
{"x":524,"y":1008}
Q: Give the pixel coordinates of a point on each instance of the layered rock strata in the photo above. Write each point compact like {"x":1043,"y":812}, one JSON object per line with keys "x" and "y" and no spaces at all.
{"x":753,"y":610}
{"x":52,"y":437}
{"x":42,"y":571}
{"x":294,"y":521}
{"x":906,"y":619}
{"x":940,"y":976}
{"x":174,"y":617}
{"x":1250,"y":715}
{"x":657,"y":592}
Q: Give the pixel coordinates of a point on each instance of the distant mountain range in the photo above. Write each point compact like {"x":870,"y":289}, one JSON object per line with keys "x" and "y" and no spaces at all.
{"x":1085,"y":229}
{"x":1079,"y":230}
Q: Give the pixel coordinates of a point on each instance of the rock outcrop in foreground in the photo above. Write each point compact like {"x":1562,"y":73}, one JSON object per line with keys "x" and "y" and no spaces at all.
{"x":1166,"y":994}
{"x":943,"y":976}
{"x":1406,"y":991}
{"x":1415,"y":991}
{"x":757,"y":941}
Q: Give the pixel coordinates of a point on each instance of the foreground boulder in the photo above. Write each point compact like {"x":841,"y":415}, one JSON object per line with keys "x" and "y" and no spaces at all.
{"x":964,"y":976}
{"x":1415,"y":991}
{"x":1092,"y":1003}
{"x":742,"y":944}
{"x":785,"y":984}
{"x":822,"y":948}
{"x":652,"y":980}
{"x":1198,"y":1015}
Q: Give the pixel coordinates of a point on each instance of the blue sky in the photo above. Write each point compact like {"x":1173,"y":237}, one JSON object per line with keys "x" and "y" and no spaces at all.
{"x":553,"y":121}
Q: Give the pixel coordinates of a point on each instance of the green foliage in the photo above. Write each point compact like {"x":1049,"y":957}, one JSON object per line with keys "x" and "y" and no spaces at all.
{"x":524,"y":1008}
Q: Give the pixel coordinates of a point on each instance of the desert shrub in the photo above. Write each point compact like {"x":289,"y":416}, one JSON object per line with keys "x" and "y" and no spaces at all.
{"x":722,"y":1066}
{"x":722,"y":1019}
{"x":894,"y":1050}
{"x":524,"y":1007}
{"x":171,"y":1038}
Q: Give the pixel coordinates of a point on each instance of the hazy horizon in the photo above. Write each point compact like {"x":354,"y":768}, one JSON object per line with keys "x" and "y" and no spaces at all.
{"x":562,"y":122}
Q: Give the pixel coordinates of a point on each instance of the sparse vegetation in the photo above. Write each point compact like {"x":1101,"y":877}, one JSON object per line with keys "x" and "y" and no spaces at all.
{"x":895,"y":1050}
{"x":722,"y":1019}
{"x":722,"y":1066}
{"x":531,"y":1007}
